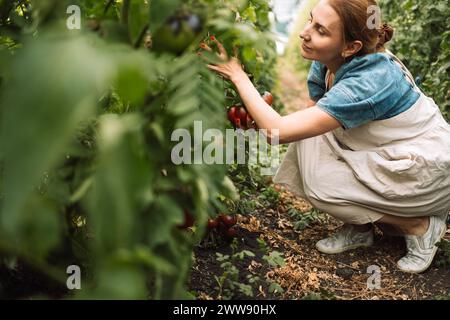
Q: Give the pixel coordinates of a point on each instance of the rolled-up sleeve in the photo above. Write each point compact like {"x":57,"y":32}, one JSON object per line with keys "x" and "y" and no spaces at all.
{"x":358,"y":99}
{"x":342,"y":105}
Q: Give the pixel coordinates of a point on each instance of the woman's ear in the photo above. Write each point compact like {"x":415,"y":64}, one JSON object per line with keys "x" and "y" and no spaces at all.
{"x":352,"y":48}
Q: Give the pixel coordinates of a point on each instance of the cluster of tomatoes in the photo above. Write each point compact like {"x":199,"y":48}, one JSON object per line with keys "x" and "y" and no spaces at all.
{"x":223,"y":223}
{"x":240,"y":118}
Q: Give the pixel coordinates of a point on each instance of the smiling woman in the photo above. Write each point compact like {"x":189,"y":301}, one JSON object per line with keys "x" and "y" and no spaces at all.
{"x":324,"y":36}
{"x":371,"y":147}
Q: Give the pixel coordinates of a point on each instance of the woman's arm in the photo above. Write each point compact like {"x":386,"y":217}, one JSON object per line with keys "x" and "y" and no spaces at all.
{"x":310,"y":103}
{"x":296,"y":126}
{"x":299,"y":125}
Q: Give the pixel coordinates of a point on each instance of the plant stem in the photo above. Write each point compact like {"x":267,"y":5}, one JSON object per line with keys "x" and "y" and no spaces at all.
{"x":125,"y":11}
{"x":108,"y":5}
{"x":141,"y":36}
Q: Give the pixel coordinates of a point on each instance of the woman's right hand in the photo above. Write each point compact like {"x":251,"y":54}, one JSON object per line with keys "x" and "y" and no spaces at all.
{"x":230,"y":67}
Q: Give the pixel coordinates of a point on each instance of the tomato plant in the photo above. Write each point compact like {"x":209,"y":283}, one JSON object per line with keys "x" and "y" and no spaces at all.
{"x":421,"y":41}
{"x":86,"y":118}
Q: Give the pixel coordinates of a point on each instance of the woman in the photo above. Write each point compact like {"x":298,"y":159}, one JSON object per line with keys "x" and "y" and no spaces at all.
{"x":370,"y":147}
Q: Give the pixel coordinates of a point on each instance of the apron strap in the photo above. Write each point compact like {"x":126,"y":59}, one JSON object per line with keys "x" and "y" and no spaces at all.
{"x":406,"y":72}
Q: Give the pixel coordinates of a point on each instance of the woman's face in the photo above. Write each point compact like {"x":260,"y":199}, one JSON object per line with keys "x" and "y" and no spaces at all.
{"x":322,"y":36}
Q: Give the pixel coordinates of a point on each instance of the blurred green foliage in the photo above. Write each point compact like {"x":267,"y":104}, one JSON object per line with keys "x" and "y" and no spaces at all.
{"x":86,"y":118}
{"x":292,"y":51}
{"x":422,"y":42}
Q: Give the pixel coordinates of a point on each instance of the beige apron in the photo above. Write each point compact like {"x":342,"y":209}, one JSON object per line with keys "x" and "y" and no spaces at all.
{"x":398,"y":166}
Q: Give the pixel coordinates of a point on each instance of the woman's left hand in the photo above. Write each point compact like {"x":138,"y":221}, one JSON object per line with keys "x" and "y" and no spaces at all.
{"x":230,"y":68}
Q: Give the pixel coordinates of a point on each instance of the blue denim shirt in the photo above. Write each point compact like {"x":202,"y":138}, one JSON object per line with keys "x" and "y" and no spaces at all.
{"x":369,"y":87}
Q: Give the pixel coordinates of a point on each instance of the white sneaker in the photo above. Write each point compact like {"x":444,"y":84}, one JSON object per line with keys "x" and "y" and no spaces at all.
{"x":422,"y":249}
{"x":345,"y":239}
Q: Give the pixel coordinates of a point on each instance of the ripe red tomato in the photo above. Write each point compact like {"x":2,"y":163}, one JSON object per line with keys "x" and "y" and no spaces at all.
{"x":239,"y":116}
{"x":268,"y":97}
{"x":232,"y":114}
{"x":237,"y":122}
{"x":213,"y":223}
{"x":242,"y":114}
{"x":228,"y":220}
{"x":230,"y":233}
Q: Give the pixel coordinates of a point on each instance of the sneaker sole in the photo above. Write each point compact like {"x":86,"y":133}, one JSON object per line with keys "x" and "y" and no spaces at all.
{"x":435,"y":248}
{"x":347,"y":248}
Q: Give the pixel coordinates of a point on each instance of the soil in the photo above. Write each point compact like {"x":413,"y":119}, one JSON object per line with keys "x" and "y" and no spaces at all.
{"x":309,"y":274}
{"x":24,"y":282}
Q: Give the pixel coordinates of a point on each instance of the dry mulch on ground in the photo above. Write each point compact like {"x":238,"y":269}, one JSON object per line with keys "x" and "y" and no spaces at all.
{"x":311,"y":274}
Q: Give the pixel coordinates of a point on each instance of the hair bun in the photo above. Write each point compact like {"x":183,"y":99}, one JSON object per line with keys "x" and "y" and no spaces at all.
{"x":385,"y":34}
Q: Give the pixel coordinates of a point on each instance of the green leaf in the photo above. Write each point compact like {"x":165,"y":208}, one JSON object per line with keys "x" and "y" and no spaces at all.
{"x":250,"y":14}
{"x":81,"y":191}
{"x":161,"y":220}
{"x":275,"y":259}
{"x":131,"y":84}
{"x":38,"y":228}
{"x":275,"y":288}
{"x":121,"y":184}
{"x":138,"y":19}
{"x":37,"y":126}
{"x":118,"y":281}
